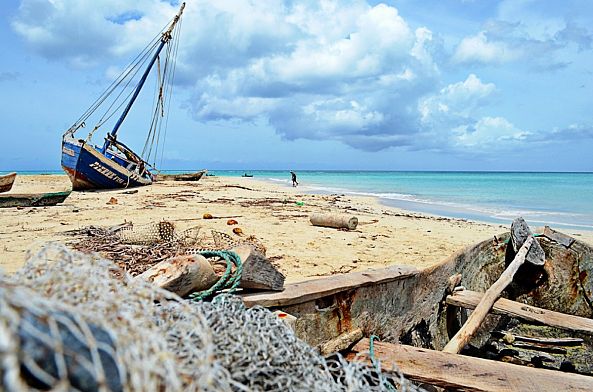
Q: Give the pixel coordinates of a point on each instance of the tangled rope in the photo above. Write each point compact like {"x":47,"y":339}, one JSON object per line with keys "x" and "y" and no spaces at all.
{"x":229,"y":280}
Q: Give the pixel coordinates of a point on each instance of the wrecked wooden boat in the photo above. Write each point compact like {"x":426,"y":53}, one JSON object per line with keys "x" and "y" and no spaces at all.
{"x":196,"y":176}
{"x":544,"y":320}
{"x":6,"y":181}
{"x":33,"y":199}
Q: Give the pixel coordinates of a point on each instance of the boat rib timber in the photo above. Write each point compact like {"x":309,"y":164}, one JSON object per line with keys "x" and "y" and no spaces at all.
{"x":6,"y":181}
{"x":409,"y":306}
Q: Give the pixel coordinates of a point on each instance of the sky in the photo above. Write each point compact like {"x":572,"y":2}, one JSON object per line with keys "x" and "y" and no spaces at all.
{"x":304,"y":85}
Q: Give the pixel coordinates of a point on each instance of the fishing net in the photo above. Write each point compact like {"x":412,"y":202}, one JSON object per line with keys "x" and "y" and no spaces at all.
{"x":136,"y":248}
{"x":72,"y":321}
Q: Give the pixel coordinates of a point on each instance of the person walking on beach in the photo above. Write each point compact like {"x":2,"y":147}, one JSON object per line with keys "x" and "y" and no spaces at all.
{"x":294,"y":180}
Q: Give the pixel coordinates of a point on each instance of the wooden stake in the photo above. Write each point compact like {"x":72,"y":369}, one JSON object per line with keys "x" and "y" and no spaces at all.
{"x":471,"y":326}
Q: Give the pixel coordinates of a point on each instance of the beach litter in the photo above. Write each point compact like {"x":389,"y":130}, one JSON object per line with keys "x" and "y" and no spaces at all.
{"x":74,"y":321}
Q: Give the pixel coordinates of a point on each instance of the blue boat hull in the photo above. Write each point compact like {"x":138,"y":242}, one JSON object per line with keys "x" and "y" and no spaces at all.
{"x":90,"y":169}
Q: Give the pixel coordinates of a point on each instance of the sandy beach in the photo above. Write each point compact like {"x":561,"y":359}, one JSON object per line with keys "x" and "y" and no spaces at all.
{"x":277,"y":215}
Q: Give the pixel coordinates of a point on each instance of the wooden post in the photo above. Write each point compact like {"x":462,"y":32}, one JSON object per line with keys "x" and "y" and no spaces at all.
{"x":471,"y":326}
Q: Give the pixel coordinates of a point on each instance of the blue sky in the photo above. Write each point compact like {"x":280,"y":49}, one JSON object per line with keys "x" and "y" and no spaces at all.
{"x":396,"y":85}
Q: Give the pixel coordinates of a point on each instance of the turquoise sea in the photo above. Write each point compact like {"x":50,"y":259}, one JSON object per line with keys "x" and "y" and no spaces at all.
{"x":556,"y":199}
{"x":563,"y":200}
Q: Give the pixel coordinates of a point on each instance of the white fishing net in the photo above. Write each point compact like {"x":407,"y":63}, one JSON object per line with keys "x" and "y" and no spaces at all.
{"x":71,"y":321}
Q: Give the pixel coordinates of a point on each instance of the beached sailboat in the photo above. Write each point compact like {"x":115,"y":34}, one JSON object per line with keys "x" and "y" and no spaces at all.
{"x":113,"y":164}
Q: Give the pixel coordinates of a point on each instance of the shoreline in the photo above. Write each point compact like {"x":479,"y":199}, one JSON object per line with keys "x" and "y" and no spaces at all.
{"x":385,"y":236}
{"x":316,"y":182}
{"x":436,"y":209}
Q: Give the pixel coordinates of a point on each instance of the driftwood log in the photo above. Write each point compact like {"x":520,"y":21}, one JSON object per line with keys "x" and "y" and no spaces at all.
{"x":182,"y":274}
{"x":258,"y":271}
{"x":338,"y":221}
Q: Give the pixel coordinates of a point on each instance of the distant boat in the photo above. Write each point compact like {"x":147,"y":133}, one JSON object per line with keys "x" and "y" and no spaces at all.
{"x":181,"y":177}
{"x":114,"y":165}
{"x":247,"y":175}
{"x":6,"y":181}
{"x":33,"y":199}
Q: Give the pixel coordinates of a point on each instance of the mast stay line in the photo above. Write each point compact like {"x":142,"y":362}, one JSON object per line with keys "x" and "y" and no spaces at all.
{"x":165,"y":38}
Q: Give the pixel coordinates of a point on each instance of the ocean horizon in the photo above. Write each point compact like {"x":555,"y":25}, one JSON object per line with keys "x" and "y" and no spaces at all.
{"x":557,"y":199}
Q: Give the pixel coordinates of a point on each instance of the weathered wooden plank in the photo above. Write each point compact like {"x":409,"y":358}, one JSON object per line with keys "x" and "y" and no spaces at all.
{"x":559,"y":237}
{"x":455,"y":371}
{"x":469,"y":299}
{"x":520,"y":232}
{"x":258,"y":272}
{"x":296,"y":293}
{"x":474,"y":321}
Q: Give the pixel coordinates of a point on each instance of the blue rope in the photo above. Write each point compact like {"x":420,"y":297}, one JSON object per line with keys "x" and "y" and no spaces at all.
{"x":372,"y":339}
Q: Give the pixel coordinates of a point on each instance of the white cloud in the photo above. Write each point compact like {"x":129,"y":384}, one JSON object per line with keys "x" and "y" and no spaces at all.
{"x":540,"y":36}
{"x":490,"y":134}
{"x":456,"y":102}
{"x":340,"y":70}
{"x":479,"y":49}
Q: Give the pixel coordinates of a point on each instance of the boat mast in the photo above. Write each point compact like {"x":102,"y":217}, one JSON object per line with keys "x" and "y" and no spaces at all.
{"x":166,"y":37}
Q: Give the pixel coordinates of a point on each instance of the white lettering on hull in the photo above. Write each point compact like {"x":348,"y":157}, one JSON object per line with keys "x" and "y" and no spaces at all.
{"x":68,"y":151}
{"x":106,"y":172}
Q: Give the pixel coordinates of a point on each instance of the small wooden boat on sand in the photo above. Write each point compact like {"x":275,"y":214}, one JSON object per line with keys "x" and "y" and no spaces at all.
{"x":6,"y":181}
{"x":33,"y":199}
{"x":542,"y":321}
{"x":181,"y":177}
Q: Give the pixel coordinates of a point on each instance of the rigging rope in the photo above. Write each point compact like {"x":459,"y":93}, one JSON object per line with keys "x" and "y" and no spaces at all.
{"x":163,"y":92}
{"x":170,"y":84}
{"x":99,"y":101}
